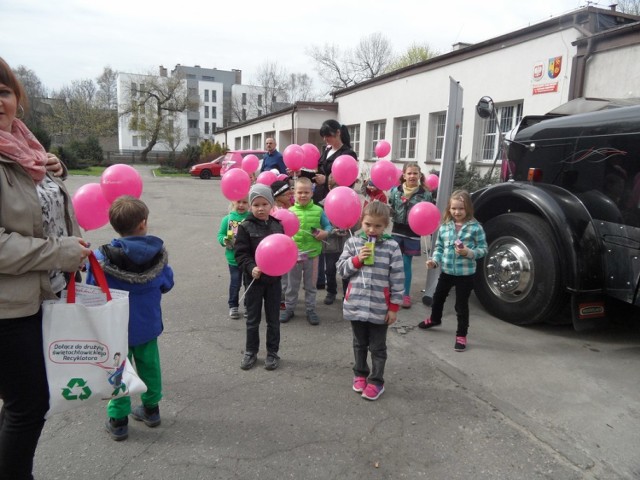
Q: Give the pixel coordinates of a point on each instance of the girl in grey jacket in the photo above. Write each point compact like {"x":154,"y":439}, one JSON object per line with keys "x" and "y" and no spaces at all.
{"x":373,"y":263}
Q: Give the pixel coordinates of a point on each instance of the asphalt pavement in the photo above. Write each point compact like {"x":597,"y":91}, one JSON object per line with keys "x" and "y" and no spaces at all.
{"x":444,"y":414}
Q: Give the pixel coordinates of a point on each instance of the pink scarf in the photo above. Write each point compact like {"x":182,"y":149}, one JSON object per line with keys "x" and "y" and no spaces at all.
{"x":22,"y":147}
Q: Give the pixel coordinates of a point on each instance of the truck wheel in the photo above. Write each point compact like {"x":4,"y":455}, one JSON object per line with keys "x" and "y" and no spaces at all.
{"x":519,"y":279}
{"x":205,"y":174}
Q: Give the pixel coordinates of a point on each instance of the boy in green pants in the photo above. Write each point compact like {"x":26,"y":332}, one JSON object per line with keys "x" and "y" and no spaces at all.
{"x":137,"y":262}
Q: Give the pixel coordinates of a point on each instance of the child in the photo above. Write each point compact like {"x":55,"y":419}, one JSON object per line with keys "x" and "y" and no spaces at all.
{"x":226,"y":237}
{"x":314,"y":229}
{"x":258,"y":225}
{"x":373,"y":296}
{"x":281,"y":194}
{"x":401,"y":200}
{"x":459,"y":242}
{"x":138,"y":263}
{"x":372,"y":193}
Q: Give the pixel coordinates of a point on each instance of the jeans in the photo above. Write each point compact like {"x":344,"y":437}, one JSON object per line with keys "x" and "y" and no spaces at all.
{"x":371,"y":337}
{"x":331,"y":259}
{"x":321,"y":279}
{"x":270,"y":293}
{"x":25,"y":394}
{"x":304,"y":272}
{"x":234,"y":285}
{"x":464,"y":286}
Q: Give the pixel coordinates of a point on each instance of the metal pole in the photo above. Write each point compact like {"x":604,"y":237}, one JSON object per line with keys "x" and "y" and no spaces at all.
{"x":447,"y":173}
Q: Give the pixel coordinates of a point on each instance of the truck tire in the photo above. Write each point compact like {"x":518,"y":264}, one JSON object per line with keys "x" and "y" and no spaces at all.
{"x":519,"y":280}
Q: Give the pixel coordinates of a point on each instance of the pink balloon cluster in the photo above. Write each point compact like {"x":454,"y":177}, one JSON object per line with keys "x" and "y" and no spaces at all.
{"x":382,"y":148}
{"x":384,"y":175}
{"x":276,"y":254}
{"x":432,"y":181}
{"x":91,"y":202}
{"x":235,"y":184}
{"x":345,"y":170}
{"x":293,"y":157}
{"x":311,"y":156}
{"x":250,"y":163}
{"x":424,"y":218}
{"x":290,"y":222}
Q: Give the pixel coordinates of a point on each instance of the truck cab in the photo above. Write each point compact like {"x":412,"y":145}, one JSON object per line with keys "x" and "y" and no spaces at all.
{"x":563,"y":226}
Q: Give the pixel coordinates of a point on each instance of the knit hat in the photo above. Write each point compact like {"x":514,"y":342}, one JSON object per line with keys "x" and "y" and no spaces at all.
{"x":260,"y":190}
{"x":279,"y":187}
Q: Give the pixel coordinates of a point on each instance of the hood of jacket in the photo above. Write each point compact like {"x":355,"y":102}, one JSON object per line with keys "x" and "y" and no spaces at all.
{"x":135,"y":259}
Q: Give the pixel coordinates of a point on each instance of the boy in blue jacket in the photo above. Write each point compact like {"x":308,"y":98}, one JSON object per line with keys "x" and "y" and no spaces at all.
{"x":138,"y":263}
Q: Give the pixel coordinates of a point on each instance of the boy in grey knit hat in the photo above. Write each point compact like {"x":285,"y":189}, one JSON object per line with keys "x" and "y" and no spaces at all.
{"x":256,"y":227}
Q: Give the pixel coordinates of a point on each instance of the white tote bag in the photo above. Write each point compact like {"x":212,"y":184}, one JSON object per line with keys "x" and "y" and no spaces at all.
{"x":86,"y":343}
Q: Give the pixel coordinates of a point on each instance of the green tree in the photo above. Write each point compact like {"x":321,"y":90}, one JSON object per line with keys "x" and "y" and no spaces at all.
{"x":416,"y":53}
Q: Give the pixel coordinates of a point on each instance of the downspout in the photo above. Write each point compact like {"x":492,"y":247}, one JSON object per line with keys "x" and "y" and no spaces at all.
{"x":582,"y":68}
{"x":293,"y":131}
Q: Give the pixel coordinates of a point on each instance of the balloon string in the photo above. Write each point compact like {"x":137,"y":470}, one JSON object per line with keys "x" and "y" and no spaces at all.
{"x":247,"y":289}
{"x":304,"y":231}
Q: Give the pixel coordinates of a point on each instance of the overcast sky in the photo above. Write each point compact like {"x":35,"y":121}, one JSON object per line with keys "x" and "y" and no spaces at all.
{"x":66,"y":40}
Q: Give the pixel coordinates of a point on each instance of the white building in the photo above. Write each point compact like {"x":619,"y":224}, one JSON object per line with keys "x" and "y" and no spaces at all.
{"x":529,"y":71}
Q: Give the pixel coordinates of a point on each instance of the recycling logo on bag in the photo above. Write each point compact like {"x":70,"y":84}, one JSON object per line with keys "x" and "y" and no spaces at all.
{"x":77,"y":388}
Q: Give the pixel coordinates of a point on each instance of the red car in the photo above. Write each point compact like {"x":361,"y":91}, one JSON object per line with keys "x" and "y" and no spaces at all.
{"x":222,"y":163}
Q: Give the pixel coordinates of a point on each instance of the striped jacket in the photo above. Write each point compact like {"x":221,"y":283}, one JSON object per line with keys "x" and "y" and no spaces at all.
{"x":373,"y":289}
{"x":473,"y":237}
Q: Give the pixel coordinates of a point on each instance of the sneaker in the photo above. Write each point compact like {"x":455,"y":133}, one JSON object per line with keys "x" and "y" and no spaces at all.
{"x":406,"y":301}
{"x":118,"y":428}
{"x":372,"y":392}
{"x":283,"y":306}
{"x":150,"y":416}
{"x":286,"y":315}
{"x":233,"y":313}
{"x":245,"y":314}
{"x":312,"y":317}
{"x":461,"y":344}
{"x":359,"y":384}
{"x":428,"y":323}
{"x":248,"y":361}
{"x":272,"y":361}
{"x":330,"y":298}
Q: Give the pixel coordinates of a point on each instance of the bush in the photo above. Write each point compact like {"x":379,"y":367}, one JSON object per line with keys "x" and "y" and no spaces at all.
{"x":67,"y":156}
{"x":88,"y":151}
{"x":42,"y":135}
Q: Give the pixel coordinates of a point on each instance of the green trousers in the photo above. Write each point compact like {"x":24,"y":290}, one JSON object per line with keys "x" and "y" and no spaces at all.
{"x":146,"y":359}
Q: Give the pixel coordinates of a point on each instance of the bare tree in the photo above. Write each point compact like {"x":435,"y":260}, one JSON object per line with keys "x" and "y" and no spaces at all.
{"x":35,"y":92}
{"x":631,"y":7}
{"x":171,"y":134}
{"x":267,"y":94}
{"x":416,"y":53}
{"x":343,"y":68}
{"x":107,"y":88}
{"x":152,"y":103}
{"x":299,"y":88}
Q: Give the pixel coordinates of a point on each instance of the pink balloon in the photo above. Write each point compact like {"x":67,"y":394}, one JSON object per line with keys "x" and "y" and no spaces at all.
{"x":342,"y":206}
{"x":345,"y":170}
{"x":250,"y":163}
{"x":382,"y":148}
{"x":311,"y":156}
{"x":92,"y":209}
{"x":424,"y":218}
{"x":432,"y":182}
{"x":266,"y":178}
{"x":384,"y":175}
{"x":120,"y":179}
{"x":282,"y":177}
{"x":276,"y":254}
{"x":290,"y":222}
{"x":293,"y":157}
{"x":235,"y":184}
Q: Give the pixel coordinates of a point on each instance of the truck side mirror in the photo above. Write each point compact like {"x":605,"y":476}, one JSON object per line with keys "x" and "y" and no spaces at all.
{"x":485,"y":108}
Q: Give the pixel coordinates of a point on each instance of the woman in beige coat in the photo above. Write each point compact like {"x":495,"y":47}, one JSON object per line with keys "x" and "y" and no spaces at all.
{"x":39,"y":242}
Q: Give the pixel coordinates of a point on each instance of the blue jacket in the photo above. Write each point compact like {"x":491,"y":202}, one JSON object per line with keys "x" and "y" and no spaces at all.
{"x":444,"y":253}
{"x":139,"y":266}
{"x":273,"y":160}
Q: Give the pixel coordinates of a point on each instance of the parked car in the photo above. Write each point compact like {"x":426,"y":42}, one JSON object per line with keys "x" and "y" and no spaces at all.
{"x":222,"y":163}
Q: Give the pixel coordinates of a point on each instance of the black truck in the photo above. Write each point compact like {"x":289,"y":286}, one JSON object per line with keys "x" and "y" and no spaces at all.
{"x":563,"y":226}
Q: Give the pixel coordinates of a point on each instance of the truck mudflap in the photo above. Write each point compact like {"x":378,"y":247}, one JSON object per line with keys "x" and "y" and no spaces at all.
{"x":588,"y":311}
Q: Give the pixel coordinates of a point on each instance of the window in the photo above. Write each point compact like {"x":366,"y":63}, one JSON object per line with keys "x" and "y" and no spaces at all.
{"x":376,"y":132}
{"x":273,"y":99}
{"x":509,"y":116}
{"x":440,"y":123}
{"x":206,"y":112}
{"x":407,"y":138}
{"x":143,"y":141}
{"x":238,"y":143}
{"x":134,"y":89}
{"x":260,"y":100}
{"x":213,"y":127}
{"x":259,"y":112}
{"x":206,"y":95}
{"x":244,"y":99}
{"x":354,"y":133}
{"x":134,"y":141}
{"x":191,"y":76}
{"x":142,"y":90}
{"x":214,"y":96}
{"x":256,"y":141}
{"x":246,"y":145}
{"x":214,"y":112}
{"x":193,"y":123}
{"x":206,"y":128}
